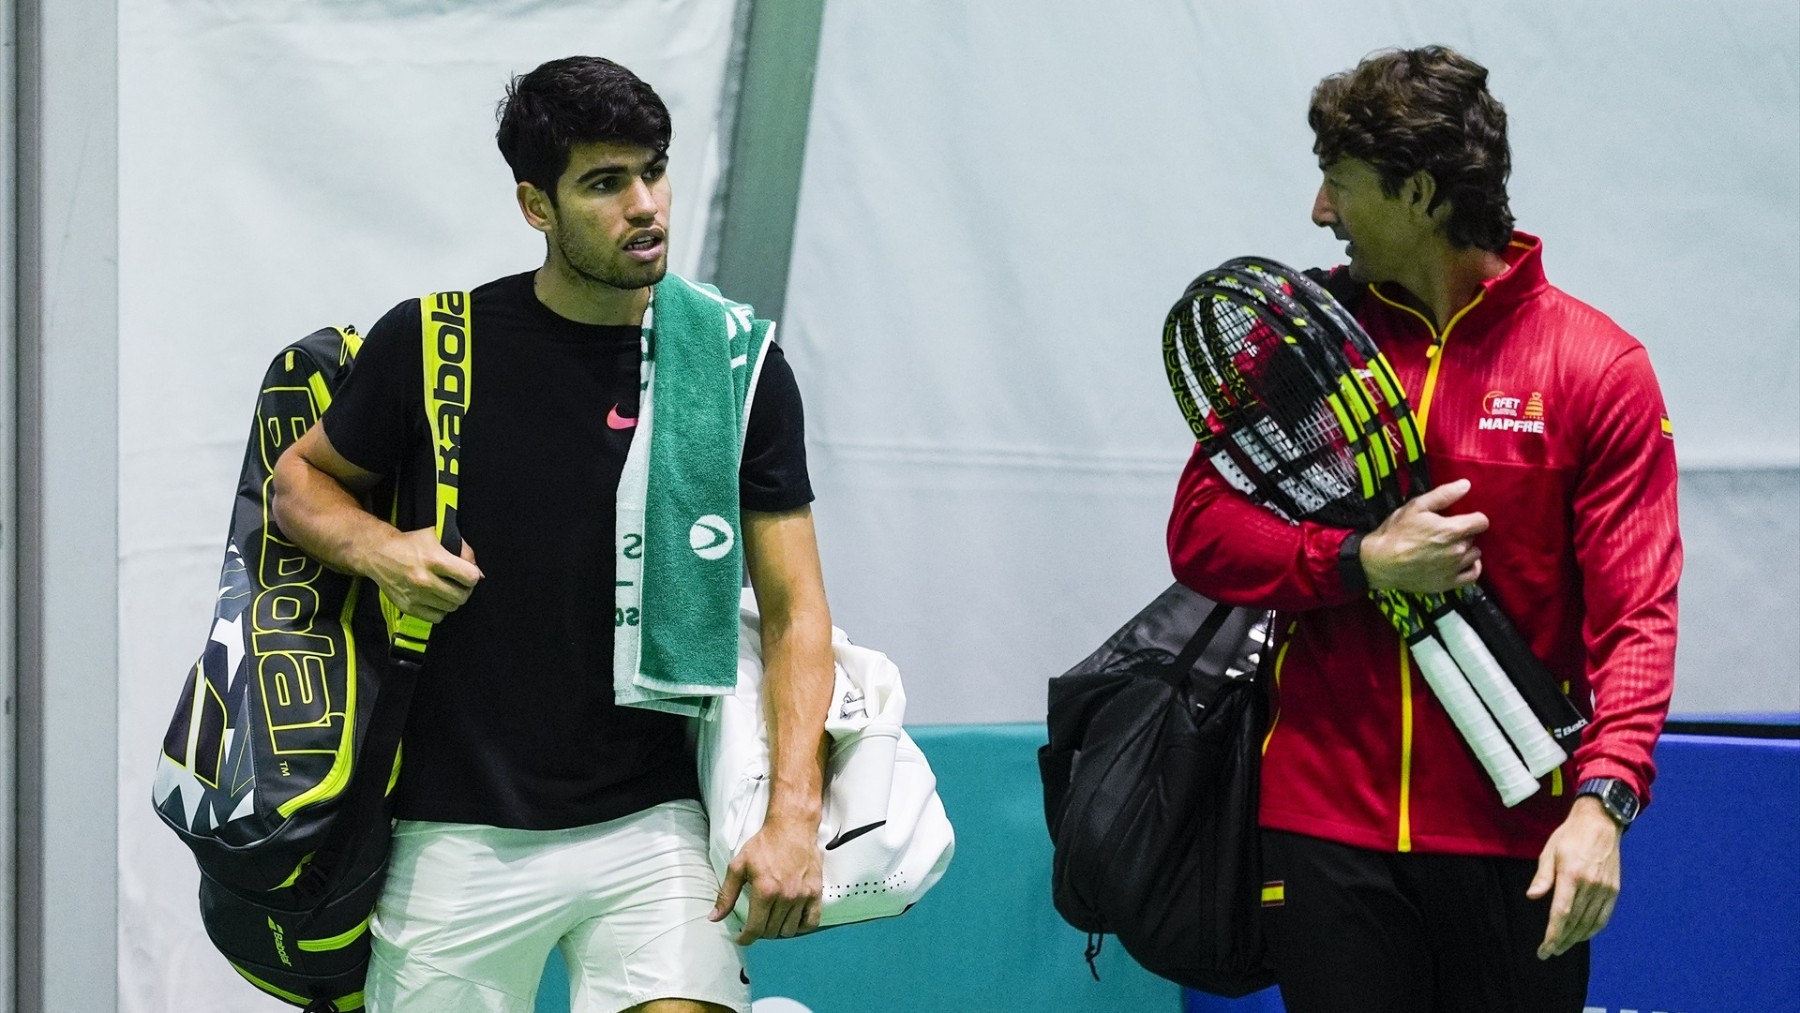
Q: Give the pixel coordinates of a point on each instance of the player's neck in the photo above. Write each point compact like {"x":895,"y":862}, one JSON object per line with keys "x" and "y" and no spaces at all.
{"x":1448,"y":279}
{"x":572,"y":296}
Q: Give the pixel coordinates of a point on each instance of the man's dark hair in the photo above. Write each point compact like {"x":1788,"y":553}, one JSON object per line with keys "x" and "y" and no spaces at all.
{"x":575,"y":100}
{"x":1403,"y":110}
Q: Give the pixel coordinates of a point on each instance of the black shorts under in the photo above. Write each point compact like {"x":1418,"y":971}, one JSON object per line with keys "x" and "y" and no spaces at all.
{"x":1359,"y":931}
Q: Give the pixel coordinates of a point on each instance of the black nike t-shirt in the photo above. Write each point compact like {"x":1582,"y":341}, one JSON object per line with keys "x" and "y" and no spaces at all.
{"x":513,"y":722}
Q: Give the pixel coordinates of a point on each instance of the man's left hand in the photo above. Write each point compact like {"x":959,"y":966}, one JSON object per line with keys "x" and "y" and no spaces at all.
{"x":1581,"y":863}
{"x":784,"y":871}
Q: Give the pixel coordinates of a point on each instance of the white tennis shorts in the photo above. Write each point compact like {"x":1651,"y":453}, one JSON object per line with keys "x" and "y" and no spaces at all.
{"x":469,"y":914}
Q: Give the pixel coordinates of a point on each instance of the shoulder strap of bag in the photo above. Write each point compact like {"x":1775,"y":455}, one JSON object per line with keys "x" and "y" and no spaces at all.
{"x":444,"y":330}
{"x":444,"y":324}
{"x":1197,"y":644}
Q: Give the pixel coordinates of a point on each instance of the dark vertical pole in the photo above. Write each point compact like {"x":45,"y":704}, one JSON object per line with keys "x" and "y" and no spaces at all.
{"x":762,"y":180}
{"x":9,"y":487}
{"x":66,"y":333}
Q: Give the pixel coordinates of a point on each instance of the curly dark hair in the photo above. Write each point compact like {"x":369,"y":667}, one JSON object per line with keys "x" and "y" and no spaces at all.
{"x":1406,"y":110}
{"x":575,"y":100}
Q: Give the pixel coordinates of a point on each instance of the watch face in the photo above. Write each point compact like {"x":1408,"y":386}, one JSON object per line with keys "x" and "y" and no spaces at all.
{"x":1622,"y":801}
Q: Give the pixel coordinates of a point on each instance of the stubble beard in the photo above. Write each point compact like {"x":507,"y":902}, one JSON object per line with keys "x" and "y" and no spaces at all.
{"x":627,"y":276}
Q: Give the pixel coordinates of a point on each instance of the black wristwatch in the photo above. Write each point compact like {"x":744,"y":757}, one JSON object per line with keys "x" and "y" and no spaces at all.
{"x":1620,"y":802}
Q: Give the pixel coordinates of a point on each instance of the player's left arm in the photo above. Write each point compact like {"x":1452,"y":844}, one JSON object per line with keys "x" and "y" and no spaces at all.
{"x":781,"y":864}
{"x":1628,"y":548}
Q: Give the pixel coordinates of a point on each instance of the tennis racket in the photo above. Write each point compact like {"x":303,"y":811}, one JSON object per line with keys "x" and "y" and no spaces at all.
{"x":1282,"y":429}
{"x":1397,"y":451}
{"x":1477,"y":615}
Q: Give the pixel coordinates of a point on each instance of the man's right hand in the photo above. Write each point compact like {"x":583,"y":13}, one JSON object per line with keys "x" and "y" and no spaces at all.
{"x":1421,"y":549}
{"x":416,"y":574}
{"x":317,"y":505}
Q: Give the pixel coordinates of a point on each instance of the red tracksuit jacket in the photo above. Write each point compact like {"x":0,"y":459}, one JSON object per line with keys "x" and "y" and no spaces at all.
{"x":1552,"y":413}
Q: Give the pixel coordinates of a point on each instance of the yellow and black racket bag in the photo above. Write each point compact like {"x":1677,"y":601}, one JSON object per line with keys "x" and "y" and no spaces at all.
{"x":285,"y":741}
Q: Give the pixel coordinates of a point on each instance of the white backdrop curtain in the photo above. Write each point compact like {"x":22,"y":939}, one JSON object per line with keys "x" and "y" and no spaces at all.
{"x":1000,"y":201}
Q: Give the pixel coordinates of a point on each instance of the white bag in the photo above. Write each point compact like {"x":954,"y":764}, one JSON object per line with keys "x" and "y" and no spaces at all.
{"x":883,"y":831}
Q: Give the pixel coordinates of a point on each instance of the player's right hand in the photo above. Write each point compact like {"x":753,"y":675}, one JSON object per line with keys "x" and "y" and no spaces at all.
{"x":422,"y":579}
{"x":1421,"y":549}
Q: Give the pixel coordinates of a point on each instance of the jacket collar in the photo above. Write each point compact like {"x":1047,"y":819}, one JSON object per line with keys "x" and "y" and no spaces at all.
{"x":1524,"y":274}
{"x":1522,"y":279}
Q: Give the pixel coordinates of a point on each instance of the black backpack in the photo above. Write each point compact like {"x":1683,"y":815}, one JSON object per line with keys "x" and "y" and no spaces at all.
{"x":1150,"y":792}
{"x":285,"y":741}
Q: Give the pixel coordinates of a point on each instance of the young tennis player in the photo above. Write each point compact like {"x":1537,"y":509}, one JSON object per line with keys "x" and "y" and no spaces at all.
{"x":535,"y":809}
{"x":1396,"y":881}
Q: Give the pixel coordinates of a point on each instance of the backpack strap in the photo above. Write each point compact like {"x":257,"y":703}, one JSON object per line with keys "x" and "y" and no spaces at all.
{"x":1178,"y":669}
{"x":444,"y":324}
{"x":444,"y":330}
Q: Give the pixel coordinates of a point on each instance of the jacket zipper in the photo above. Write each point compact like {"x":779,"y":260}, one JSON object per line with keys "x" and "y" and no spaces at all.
{"x":1404,"y":842}
{"x":1435,"y":353}
{"x":1280,"y":657}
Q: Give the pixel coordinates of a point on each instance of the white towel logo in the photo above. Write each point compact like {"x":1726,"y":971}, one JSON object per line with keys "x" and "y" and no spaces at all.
{"x":710,"y":537}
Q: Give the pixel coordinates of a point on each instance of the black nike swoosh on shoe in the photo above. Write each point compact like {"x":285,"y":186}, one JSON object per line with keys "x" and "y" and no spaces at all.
{"x":846,"y":836}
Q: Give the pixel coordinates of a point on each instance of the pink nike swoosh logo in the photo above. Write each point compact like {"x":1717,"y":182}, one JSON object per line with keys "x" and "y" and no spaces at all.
{"x":616,"y":421}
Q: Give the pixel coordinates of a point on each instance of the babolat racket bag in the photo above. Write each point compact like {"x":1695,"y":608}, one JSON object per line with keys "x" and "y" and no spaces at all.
{"x":1150,"y":793}
{"x":284,"y":743}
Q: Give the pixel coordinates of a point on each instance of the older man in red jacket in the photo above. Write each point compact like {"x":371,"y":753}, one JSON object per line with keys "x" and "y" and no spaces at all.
{"x":1396,"y":880}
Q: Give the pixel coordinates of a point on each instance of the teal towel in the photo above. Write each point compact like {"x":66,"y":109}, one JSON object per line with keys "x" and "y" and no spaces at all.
{"x":680,"y":558}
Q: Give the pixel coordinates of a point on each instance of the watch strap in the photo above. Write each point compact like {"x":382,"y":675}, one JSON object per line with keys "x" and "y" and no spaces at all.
{"x":1350,"y":568}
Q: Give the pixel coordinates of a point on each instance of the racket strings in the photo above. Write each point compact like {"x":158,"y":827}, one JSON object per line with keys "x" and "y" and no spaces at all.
{"x":1394,"y":419}
{"x":1370,"y":410}
{"x":1265,"y":418}
{"x":1294,"y":389}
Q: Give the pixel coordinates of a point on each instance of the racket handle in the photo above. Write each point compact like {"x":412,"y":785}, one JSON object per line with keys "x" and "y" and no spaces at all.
{"x":1478,"y":729}
{"x":1539,"y":751}
{"x":1535,"y":682}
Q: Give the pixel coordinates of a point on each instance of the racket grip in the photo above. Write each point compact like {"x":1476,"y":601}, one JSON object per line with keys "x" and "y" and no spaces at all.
{"x":1539,"y":751}
{"x":1534,"y":681}
{"x":1503,"y":767}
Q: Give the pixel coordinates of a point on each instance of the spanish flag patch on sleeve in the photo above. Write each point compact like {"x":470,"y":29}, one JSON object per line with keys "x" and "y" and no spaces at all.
{"x":1668,"y":428}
